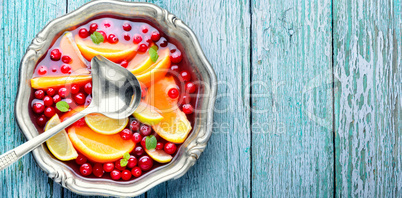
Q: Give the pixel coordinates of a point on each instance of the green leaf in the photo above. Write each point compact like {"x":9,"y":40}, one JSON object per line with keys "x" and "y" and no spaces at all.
{"x":150,"y":142}
{"x":97,"y":37}
{"x":62,"y":106}
{"x":126,"y":156}
{"x":123,"y":162}
{"x":153,"y":54}
{"x":154,"y":47}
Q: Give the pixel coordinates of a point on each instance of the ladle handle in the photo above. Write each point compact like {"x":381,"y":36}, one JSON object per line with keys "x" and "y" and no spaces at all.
{"x":11,"y":156}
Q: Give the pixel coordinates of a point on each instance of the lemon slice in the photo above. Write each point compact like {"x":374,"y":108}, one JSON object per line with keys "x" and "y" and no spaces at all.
{"x":174,"y":127}
{"x":147,"y":114}
{"x":60,"y":145}
{"x":159,"y":155}
{"x":115,"y":53}
{"x":105,"y":125}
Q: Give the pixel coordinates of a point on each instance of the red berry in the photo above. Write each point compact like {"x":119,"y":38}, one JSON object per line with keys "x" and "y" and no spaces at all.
{"x":142,"y":48}
{"x":88,"y":88}
{"x":137,"y":38}
{"x":48,"y":101}
{"x":93,"y":27}
{"x":143,"y":141}
{"x":187,"y":109}
{"x":135,"y":125}
{"x":132,"y":162}
{"x":80,"y":122}
{"x":163,"y":42}
{"x":81,"y":159}
{"x":54,"y":69}
{"x":126,"y":36}
{"x":137,"y":138}
{"x":176,"y":56}
{"x":185,"y":75}
{"x":42,"y":70}
{"x":108,"y":167}
{"x":75,"y":89}
{"x":175,"y":68}
{"x":41,"y":120}
{"x":107,"y":25}
{"x":145,"y":163}
{"x":83,"y":33}
{"x":50,"y":92}
{"x":49,"y":112}
{"x":55,"y":54}
{"x":124,"y":63}
{"x":170,"y":148}
{"x":159,"y":146}
{"x":145,"y":130}
{"x":39,"y":94}
{"x":147,"y":39}
{"x":56,"y":99}
{"x":88,"y":100}
{"x":138,"y":151}
{"x":144,"y":29}
{"x":38,"y":107}
{"x":155,"y":36}
{"x":173,"y":93}
{"x":86,"y":169}
{"x":63,"y":92}
{"x":112,"y":39}
{"x":136,"y":171}
{"x":126,"y":175}
{"x":66,"y":59}
{"x":190,"y":87}
{"x":118,"y":166}
{"x":115,"y":174}
{"x":126,"y":134}
{"x":126,"y":27}
{"x":98,"y":170}
{"x":184,"y":99}
{"x":104,"y":36}
{"x":65,"y":69}
{"x":79,"y":98}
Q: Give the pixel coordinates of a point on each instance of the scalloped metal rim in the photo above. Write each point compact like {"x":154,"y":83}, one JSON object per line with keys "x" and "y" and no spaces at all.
{"x":192,"y":147}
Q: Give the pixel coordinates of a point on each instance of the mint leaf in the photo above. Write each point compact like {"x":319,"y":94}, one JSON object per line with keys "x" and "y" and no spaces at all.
{"x":154,"y":47}
{"x":123,"y":162}
{"x":126,"y":156}
{"x":150,"y":142}
{"x":97,"y":37}
{"x":153,"y":54}
{"x":62,"y":106}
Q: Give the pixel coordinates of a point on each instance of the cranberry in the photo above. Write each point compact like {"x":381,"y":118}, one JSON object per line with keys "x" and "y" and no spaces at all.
{"x":81,"y":159}
{"x":65,"y":69}
{"x":88,"y":88}
{"x":144,"y":29}
{"x":170,"y":148}
{"x":112,"y":39}
{"x":63,"y":92}
{"x":138,"y":151}
{"x":124,"y":63}
{"x":107,"y":25}
{"x":118,"y":166}
{"x":50,"y":92}
{"x":93,"y":27}
{"x":115,"y":174}
{"x":42,"y":70}
{"x":75,"y":89}
{"x":143,"y":142}
{"x":47,"y":101}
{"x":83,"y":33}
{"x":88,"y":100}
{"x":142,"y":48}
{"x":39,"y":94}
{"x":56,"y":99}
{"x":86,"y":169}
{"x":155,"y":36}
{"x":55,"y":54}
{"x":54,"y":69}
{"x":176,"y":57}
{"x":126,"y":134}
{"x":163,"y":42}
{"x":126,"y":27}
{"x":159,"y":146}
{"x":108,"y":167}
{"x":80,"y":122}
{"x":147,"y":39}
{"x":126,"y":36}
{"x":184,"y":99}
{"x":137,"y":38}
{"x":66,"y":59}
{"x":49,"y":112}
{"x":98,"y":170}
{"x":126,"y":175}
{"x":145,"y":130}
{"x":104,"y":35}
{"x":135,"y":125}
{"x":38,"y":107}
{"x":185,"y":75}
{"x":187,"y":109}
{"x":190,"y":87}
{"x":175,"y":68}
{"x":136,"y":171}
{"x":136,"y":138}
{"x":79,"y":98}
{"x":145,"y":163}
{"x":41,"y":120}
{"x":132,"y":162}
{"x":173,"y":93}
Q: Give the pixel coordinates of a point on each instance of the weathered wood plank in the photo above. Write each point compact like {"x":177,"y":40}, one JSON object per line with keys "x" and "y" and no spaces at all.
{"x":368,"y":46}
{"x":20,"y":22}
{"x":223,"y":170}
{"x":292,"y":145}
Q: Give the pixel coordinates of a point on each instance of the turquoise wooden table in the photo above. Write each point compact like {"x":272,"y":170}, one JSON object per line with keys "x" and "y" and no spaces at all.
{"x":309,"y":101}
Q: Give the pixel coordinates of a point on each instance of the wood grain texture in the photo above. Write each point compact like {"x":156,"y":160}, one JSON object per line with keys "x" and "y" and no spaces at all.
{"x":292,"y":153}
{"x":367,"y":54}
{"x":19,"y":25}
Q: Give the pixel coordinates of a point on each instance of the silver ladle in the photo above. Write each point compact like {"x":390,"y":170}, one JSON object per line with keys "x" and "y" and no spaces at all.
{"x":116,"y":93}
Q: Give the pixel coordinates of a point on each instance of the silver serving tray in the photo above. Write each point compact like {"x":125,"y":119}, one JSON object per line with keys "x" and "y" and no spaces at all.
{"x":191,"y":149}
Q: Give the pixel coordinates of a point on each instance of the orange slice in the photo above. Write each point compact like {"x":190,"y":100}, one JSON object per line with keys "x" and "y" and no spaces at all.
{"x":69,"y":47}
{"x":56,"y":81}
{"x":98,"y":147}
{"x":159,"y":155}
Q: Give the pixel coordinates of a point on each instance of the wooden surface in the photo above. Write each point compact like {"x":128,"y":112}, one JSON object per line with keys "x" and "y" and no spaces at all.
{"x":309,"y":101}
